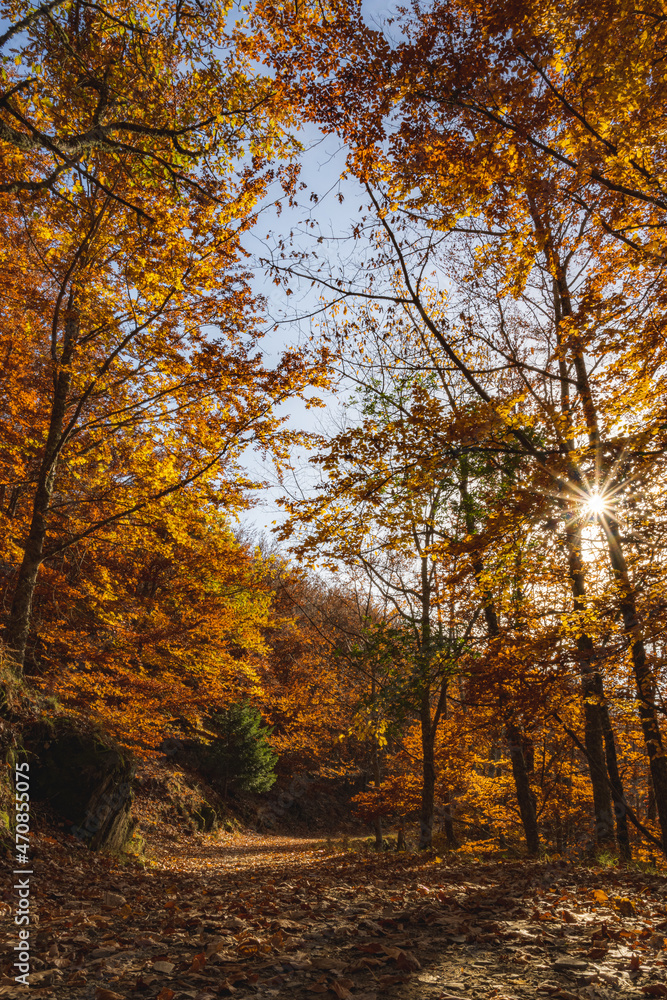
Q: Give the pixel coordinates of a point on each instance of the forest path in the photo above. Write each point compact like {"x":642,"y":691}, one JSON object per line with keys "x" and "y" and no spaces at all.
{"x":282,"y":917}
{"x":231,"y":852}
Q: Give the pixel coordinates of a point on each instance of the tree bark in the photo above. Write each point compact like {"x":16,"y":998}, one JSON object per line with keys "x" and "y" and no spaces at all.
{"x":592,"y":692}
{"x":448,"y":823}
{"x":377,"y":779}
{"x":617,"y":792}
{"x":643,"y":677}
{"x":650,"y":804}
{"x":18,"y":626}
{"x":524,"y":794}
{"x":428,"y":783}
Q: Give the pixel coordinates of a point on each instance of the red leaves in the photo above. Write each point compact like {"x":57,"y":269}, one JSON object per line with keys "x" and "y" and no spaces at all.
{"x":198,"y":962}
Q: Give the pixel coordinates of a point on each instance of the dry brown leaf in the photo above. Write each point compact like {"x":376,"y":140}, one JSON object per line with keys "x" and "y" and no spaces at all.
{"x":166,"y":994}
{"x":328,"y":964}
{"x":102,"y":994}
{"x":198,"y":962}
{"x":341,"y":992}
{"x":392,"y":953}
{"x":77,"y":979}
{"x":654,"y":990}
{"x":408,"y":962}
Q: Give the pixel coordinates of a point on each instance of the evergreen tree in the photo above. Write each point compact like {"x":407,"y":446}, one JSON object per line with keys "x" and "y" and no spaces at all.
{"x":241,"y":758}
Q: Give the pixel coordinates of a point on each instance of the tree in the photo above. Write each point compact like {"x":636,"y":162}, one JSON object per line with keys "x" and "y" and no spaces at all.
{"x":381,"y":507}
{"x":241,"y":757}
{"x":141,"y":353}
{"x":488,"y":194}
{"x":158,"y":627}
{"x":155,"y":93}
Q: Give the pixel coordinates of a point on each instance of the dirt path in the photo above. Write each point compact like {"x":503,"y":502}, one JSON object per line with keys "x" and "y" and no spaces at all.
{"x":276,"y":917}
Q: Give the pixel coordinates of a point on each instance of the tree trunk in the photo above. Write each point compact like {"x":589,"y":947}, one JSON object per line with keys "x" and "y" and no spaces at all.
{"x":650,"y":804}
{"x":523,"y":791}
{"x":448,"y":823}
{"x":597,"y":763}
{"x":592,"y":692}
{"x":428,"y":784}
{"x":377,"y":779}
{"x":400,"y":838}
{"x":643,"y":678}
{"x":18,"y":626}
{"x":617,"y":794}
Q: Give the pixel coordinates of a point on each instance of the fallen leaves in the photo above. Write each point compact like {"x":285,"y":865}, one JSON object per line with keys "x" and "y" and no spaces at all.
{"x":365,"y":924}
{"x":341,"y":991}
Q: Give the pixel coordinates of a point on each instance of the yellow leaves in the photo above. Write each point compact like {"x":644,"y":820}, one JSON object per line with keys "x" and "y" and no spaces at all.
{"x":367,"y":725}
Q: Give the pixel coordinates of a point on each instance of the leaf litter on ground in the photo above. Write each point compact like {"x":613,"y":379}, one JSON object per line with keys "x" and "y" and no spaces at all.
{"x":276,"y":916}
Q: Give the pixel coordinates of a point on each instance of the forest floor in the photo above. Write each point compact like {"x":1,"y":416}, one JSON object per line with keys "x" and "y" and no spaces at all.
{"x":282,"y":917}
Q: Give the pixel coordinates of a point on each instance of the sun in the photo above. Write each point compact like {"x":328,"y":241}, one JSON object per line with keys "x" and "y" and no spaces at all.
{"x":595,"y":504}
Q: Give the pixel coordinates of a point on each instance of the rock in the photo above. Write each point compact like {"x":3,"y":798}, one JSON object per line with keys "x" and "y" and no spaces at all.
{"x":165,"y":967}
{"x":205,"y":817}
{"x":84,"y":777}
{"x":104,"y":951}
{"x":567,"y":964}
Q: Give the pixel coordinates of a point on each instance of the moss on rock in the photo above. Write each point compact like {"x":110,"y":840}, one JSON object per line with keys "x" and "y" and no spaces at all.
{"x":85,"y":778}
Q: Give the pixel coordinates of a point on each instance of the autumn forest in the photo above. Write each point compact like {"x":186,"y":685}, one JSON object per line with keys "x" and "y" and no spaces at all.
{"x":454,"y":635}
